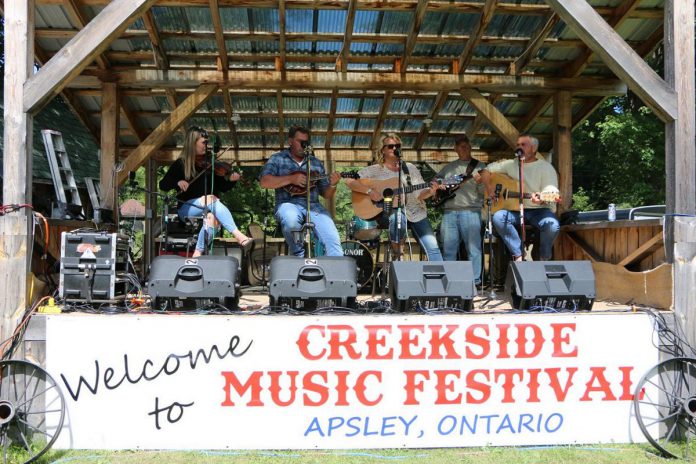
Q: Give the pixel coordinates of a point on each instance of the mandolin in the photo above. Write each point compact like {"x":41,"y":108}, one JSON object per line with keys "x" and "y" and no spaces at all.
{"x":295,"y":190}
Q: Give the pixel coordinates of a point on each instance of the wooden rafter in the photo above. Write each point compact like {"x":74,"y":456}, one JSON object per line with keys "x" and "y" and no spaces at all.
{"x":332,"y":119}
{"x":160,"y":56}
{"x":418,"y":16}
{"x":440,"y":101}
{"x":281,"y":119}
{"x":484,"y":20}
{"x":342,"y":61}
{"x":80,"y":20}
{"x":281,"y":45}
{"x":158,"y":136}
{"x":386,"y":103}
{"x":505,"y":129}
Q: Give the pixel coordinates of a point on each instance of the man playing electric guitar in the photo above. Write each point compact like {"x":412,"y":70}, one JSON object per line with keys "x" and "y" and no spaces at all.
{"x":540,"y":182}
{"x":461,"y":221}
{"x":415,"y":212}
{"x":284,"y":169}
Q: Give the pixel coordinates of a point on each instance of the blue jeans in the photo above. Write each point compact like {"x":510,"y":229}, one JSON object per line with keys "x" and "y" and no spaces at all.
{"x":423,"y":232}
{"x":463,"y":226}
{"x":543,"y":218}
{"x":291,"y":218}
{"x":193,"y":208}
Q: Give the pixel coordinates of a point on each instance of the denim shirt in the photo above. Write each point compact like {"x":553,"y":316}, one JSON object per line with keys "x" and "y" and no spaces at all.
{"x":283,"y":164}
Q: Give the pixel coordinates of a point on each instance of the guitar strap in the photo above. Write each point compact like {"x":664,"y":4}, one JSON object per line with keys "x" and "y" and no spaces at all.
{"x":472,"y":165}
{"x":404,"y":168}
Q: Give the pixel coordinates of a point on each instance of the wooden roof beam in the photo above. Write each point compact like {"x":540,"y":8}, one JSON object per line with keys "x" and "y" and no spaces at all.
{"x":418,"y":16}
{"x":440,"y":101}
{"x":281,"y":122}
{"x":619,"y":57}
{"x":533,"y":46}
{"x":493,"y":116}
{"x":281,"y":45}
{"x":160,"y":56}
{"x":332,"y":119}
{"x":486,"y":16}
{"x":92,"y":40}
{"x":342,"y":61}
{"x":415,"y":82}
{"x":80,"y":20}
{"x":160,"y":135}
{"x":386,"y":103}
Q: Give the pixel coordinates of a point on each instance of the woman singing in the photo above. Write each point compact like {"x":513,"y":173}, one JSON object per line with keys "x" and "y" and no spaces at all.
{"x":185,"y":174}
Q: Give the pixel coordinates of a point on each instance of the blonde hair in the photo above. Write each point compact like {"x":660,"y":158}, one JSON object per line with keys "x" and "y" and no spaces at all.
{"x":390,"y":135}
{"x":188,"y":151}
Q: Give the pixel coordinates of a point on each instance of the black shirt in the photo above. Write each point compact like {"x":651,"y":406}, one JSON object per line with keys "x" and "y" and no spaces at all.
{"x":198,"y":187}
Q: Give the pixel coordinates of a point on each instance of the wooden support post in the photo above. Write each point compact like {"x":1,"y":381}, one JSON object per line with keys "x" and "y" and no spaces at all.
{"x":680,"y":154}
{"x":150,"y":213}
{"x":109,"y":146}
{"x":685,"y":275}
{"x":562,"y":152}
{"x":16,"y":228}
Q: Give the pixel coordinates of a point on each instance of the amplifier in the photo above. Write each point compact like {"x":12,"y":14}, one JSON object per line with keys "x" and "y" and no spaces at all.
{"x":92,"y":267}
{"x":177,"y":283}
{"x":418,"y":285}
{"x":307,"y":284}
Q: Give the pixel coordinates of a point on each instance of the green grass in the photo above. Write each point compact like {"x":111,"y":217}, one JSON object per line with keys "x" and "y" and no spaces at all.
{"x":592,"y":454}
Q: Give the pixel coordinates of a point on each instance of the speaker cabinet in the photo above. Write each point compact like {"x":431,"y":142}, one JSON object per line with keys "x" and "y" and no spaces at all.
{"x":305,"y":284}
{"x":551,"y":285}
{"x":416,"y":285}
{"x":177,"y":283}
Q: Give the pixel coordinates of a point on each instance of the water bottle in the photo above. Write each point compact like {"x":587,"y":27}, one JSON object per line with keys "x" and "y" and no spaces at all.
{"x":611,"y":212}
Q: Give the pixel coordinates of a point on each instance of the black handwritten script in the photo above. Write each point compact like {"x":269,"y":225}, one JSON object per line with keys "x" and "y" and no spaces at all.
{"x":113,"y":377}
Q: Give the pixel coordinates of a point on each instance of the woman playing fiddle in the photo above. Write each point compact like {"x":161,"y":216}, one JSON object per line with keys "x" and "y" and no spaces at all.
{"x":185,"y":174}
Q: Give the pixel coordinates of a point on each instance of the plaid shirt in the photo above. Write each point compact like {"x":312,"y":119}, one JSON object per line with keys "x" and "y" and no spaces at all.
{"x":283,"y":164}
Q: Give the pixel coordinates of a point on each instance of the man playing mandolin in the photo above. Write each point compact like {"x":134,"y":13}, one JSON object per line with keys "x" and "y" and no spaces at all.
{"x":540,"y":183}
{"x":461,"y":221}
{"x":415,"y":212}
{"x":286,"y":173}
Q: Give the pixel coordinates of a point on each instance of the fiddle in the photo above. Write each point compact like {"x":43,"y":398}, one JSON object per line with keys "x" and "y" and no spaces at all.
{"x":221,"y":168}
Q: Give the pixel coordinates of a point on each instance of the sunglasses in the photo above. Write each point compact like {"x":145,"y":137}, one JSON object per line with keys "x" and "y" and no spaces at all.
{"x":392,"y":146}
{"x":203,"y":132}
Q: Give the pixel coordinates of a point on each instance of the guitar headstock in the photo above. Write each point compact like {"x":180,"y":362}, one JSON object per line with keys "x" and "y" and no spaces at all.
{"x":550,"y":197}
{"x":350,"y":175}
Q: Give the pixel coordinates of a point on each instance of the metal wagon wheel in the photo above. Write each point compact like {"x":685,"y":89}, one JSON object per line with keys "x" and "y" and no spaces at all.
{"x":665,"y":406}
{"x":32,"y":409}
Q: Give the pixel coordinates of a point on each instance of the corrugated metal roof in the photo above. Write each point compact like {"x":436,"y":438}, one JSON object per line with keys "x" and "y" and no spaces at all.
{"x":315,"y":40}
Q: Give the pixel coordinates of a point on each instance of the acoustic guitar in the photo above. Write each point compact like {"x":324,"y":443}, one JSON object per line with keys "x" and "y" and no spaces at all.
{"x":508,"y":198}
{"x":367,"y":209}
{"x":295,"y":190}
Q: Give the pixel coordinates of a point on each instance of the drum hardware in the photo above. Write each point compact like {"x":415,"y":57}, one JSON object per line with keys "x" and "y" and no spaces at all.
{"x":364,"y":230}
{"x":363,"y":259}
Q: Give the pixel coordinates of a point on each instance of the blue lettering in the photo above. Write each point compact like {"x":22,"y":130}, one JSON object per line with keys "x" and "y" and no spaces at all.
{"x":452,"y":420}
{"x":505,"y":424}
{"x":356,"y":428}
{"x":496,"y":423}
{"x":560,"y":422}
{"x":314,"y":427}
{"x":525,"y":420}
{"x":335,"y":423}
{"x":488,"y":421}
{"x":367,"y":428}
{"x":387,"y":423}
{"x":407,"y":425}
{"x":471,"y":427}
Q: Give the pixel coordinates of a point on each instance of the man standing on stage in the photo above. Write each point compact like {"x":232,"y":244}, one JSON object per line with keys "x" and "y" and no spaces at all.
{"x":286,"y":173}
{"x":539,"y":177}
{"x":461,"y":220}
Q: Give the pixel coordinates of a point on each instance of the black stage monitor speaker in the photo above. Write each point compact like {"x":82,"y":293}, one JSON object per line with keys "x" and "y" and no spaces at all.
{"x":306,"y":284}
{"x":418,"y":285}
{"x":179,"y":283}
{"x":556,"y":285}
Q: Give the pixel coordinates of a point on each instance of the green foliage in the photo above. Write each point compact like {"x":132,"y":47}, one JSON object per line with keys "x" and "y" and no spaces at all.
{"x":619,"y":156}
{"x":581,"y":200}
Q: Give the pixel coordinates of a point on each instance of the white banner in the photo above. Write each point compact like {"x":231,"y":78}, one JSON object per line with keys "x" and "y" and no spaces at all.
{"x":271,"y":382}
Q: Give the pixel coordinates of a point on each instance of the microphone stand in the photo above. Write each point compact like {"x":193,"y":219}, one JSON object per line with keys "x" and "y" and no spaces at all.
{"x":523,"y":233}
{"x":491,"y":258}
{"x":308,"y":226}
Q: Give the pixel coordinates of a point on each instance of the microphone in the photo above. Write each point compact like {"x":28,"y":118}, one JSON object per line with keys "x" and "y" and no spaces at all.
{"x":388,"y":195}
{"x":519,"y":153}
{"x":217,"y":144}
{"x":308,"y":150}
{"x":397,"y":152}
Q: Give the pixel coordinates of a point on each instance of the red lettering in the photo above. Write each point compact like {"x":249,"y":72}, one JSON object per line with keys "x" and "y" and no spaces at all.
{"x":480,"y":387}
{"x":412,"y":385}
{"x":409,"y":340}
{"x":626,"y":384}
{"x":310,"y":386}
{"x":438,"y":340}
{"x":602,"y":385}
{"x":533,"y":385}
{"x":275,"y":387}
{"x":537,"y":341}
{"x":336,"y":342}
{"x":503,"y":340}
{"x":552,"y":372}
{"x":253,"y":383}
{"x":303,"y":342}
{"x":360,"y":388}
{"x":342,"y":388}
{"x":443,"y":386}
{"x":508,"y":381}
{"x":560,"y":339}
{"x":471,"y":338}
{"x":375,"y":340}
